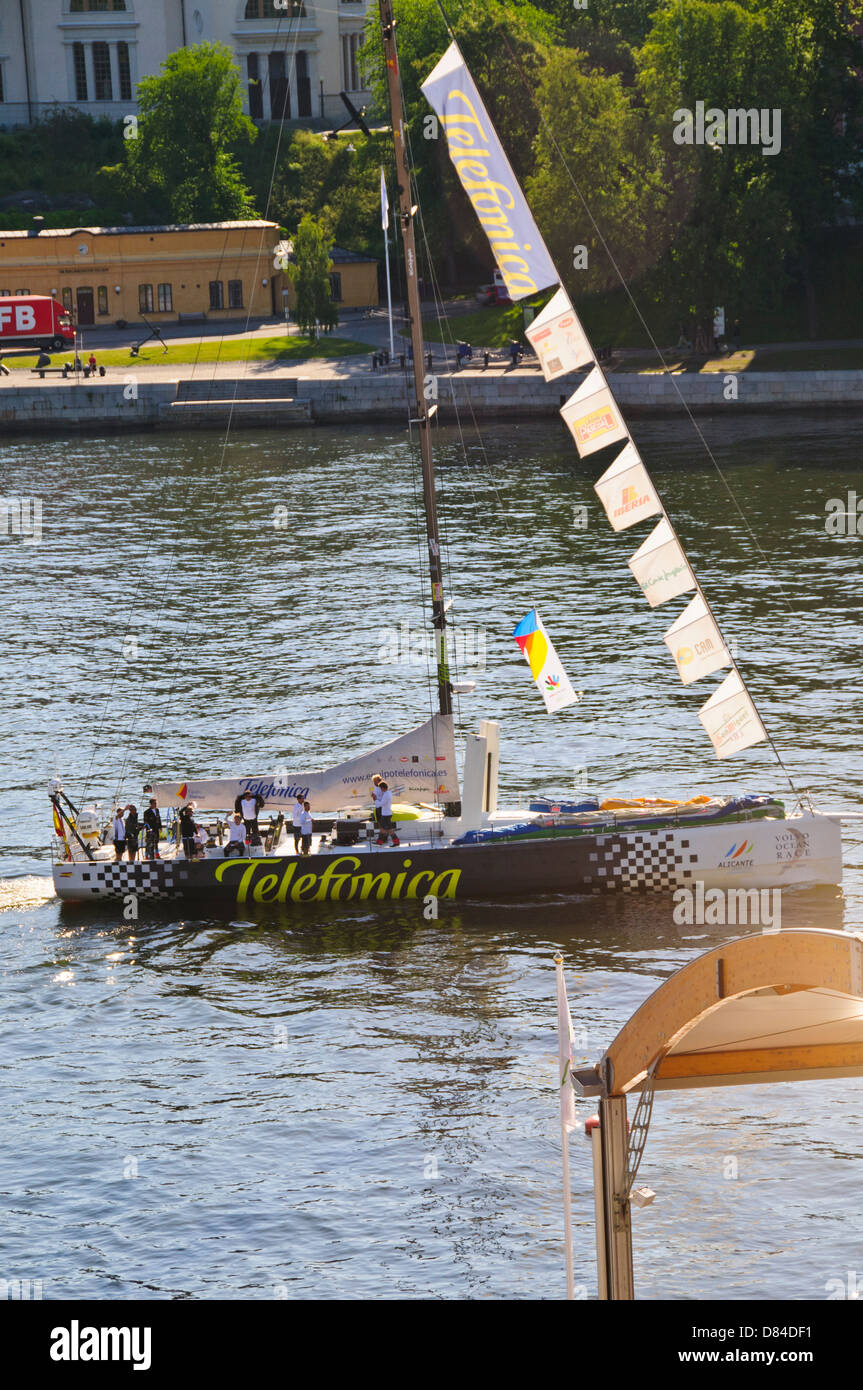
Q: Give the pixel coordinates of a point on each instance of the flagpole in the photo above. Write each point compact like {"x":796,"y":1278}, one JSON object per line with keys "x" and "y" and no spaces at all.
{"x":567,"y":1109}
{"x":385,"y":220}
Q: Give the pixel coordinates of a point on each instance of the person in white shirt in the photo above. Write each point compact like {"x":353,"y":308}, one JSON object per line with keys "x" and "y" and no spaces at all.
{"x":386,"y":817}
{"x":249,"y":806}
{"x":376,"y":794}
{"x":236,"y":836}
{"x":296,"y":819}
{"x":306,"y":827}
{"x":201,"y":838}
{"x":119,"y":833}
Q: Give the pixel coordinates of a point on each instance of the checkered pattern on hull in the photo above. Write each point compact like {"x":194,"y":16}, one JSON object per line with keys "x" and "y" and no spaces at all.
{"x":151,"y":879}
{"x":640,"y":863}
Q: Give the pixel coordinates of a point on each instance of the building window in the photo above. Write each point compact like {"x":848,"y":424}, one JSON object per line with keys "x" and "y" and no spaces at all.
{"x":92,"y":6}
{"x":280,"y":95}
{"x":67,"y":299}
{"x":217,"y":294}
{"x":353,"y":78}
{"x":235,"y":294}
{"x":125,"y":72}
{"x":256,"y":96}
{"x":145,"y":299}
{"x":2,"y":98}
{"x":336,"y":286}
{"x":80,"y":72}
{"x":166,"y":299}
{"x":22,"y":291}
{"x":275,"y":9}
{"x":102,"y":299}
{"x":102,"y":90}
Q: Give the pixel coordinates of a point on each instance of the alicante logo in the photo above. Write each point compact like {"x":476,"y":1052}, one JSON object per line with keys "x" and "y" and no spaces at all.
{"x":340,"y":881}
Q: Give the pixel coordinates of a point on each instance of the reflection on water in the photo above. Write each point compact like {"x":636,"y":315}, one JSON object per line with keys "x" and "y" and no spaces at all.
{"x":352,"y":1101}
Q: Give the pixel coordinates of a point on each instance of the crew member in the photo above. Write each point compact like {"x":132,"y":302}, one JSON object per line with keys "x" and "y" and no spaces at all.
{"x":306,"y":827}
{"x":187,"y":831}
{"x":152,"y":829}
{"x":250,"y":805}
{"x":201,"y":838}
{"x":386,"y":817}
{"x":236,"y":836}
{"x":296,"y":820}
{"x":133,"y":830}
{"x":376,"y":792}
{"x":119,"y":834}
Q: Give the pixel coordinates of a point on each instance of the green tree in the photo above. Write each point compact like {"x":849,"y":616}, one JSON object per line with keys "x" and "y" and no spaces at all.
{"x":309,"y":274}
{"x":181,"y":166}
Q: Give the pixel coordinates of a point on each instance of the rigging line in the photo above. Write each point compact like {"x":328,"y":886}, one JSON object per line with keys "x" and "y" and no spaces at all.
{"x":625,"y":286}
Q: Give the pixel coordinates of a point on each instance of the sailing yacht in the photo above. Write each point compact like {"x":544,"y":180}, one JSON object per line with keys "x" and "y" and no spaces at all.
{"x":454,"y":841}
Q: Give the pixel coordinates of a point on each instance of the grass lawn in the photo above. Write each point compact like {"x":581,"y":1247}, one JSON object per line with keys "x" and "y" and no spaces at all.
{"x":757,"y":360}
{"x":282,"y":349}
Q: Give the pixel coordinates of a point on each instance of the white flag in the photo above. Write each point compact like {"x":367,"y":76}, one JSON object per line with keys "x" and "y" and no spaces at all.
{"x":558,"y":338}
{"x":731,"y":719}
{"x":564,"y":1051}
{"x":592,"y":416}
{"x":385,"y":202}
{"x":625,"y":490}
{"x":695,"y":643}
{"x":534,"y":641}
{"x":660,"y":566}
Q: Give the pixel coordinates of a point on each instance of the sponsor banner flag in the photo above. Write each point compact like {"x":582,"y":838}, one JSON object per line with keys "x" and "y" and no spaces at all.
{"x":625,"y":490}
{"x":593,"y":417}
{"x":730,"y":718}
{"x":554,"y":683}
{"x":558,"y":338}
{"x":695,"y":643}
{"x":660,"y":566}
{"x":487,"y":178}
{"x":564,"y":1050}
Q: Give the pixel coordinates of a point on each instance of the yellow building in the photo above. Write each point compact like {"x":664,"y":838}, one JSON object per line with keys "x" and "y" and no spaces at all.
{"x":217,"y":270}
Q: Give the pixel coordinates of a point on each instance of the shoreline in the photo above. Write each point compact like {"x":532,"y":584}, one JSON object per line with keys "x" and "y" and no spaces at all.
{"x":277,"y":397}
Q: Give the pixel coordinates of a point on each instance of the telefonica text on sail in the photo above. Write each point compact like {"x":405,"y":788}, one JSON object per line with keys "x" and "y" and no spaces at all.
{"x":737,"y":126}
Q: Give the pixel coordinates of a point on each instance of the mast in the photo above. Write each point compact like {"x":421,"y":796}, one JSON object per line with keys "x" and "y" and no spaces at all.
{"x":423,"y":414}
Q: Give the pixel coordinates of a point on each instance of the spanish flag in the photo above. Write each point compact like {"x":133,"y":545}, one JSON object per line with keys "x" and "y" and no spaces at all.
{"x":58,"y":824}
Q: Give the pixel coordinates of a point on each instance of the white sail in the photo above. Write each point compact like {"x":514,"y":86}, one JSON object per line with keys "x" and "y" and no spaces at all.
{"x":731,"y":719}
{"x":558,"y":339}
{"x":696,"y":643}
{"x":592,"y":416}
{"x":419,"y":767}
{"x":660,"y":566}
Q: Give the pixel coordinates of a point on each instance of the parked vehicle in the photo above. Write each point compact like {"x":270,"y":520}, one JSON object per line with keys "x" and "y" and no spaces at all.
{"x":35,"y":320}
{"x":495,"y":293}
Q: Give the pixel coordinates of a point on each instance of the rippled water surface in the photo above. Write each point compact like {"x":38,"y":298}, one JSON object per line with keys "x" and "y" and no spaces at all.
{"x":344,"y":1102}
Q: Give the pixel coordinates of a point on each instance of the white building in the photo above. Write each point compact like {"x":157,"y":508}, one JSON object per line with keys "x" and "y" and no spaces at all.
{"x":295,"y":56}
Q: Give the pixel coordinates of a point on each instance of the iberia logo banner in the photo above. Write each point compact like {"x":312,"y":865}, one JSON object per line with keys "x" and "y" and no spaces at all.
{"x":625,"y":490}
{"x":534,"y":641}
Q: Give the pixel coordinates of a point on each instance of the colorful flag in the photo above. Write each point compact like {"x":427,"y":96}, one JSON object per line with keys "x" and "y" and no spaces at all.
{"x":554,"y":683}
{"x":385,"y":202}
{"x":625,"y":490}
{"x":660,"y":566}
{"x":487,"y":178}
{"x":558,"y":338}
{"x":696,"y":643}
{"x":592,"y":416}
{"x":58,"y":824}
{"x":730,"y":718}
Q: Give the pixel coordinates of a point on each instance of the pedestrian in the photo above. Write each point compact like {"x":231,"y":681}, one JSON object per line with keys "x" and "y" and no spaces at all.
{"x":306,"y":827}
{"x":152,"y":829}
{"x":387,"y":830}
{"x":236,"y":836}
{"x":92,"y":363}
{"x":514,"y":352}
{"x":133,"y":830}
{"x":187,"y":830}
{"x":249,"y":806}
{"x":296,"y":820}
{"x":486,"y":358}
{"x":735,"y":333}
{"x":119,"y":834}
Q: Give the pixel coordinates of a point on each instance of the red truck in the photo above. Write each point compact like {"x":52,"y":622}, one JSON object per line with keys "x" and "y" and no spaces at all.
{"x":35,"y":320}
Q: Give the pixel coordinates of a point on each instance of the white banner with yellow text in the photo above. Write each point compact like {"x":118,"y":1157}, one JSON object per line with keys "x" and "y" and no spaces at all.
{"x":730,"y":718}
{"x":625,"y":490}
{"x":592,"y":416}
{"x":695,"y":643}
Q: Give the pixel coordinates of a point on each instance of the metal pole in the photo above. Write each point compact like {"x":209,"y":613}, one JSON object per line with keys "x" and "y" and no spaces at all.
{"x":567,"y":1214}
{"x":423,"y":414}
{"x":618,"y":1225}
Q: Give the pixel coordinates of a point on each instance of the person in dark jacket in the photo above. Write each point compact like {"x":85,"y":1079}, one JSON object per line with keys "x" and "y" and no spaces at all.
{"x":187,"y":831}
{"x":133,"y":830}
{"x":153,"y":829}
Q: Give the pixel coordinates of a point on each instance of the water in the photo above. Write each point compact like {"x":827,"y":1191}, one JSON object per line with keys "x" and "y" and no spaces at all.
{"x":355,"y":1103}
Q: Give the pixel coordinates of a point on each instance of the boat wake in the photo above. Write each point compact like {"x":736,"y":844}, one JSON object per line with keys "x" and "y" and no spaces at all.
{"x":27,"y":891}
